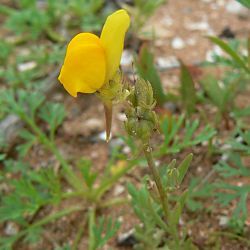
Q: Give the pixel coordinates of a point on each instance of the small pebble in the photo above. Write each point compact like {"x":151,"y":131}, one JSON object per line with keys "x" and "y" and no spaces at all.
{"x":11,"y":228}
{"x":198,"y":26}
{"x":211,"y":53}
{"x":221,"y":3}
{"x":167,"y":62}
{"x":121,"y":117}
{"x":119,"y":189}
{"x":167,"y":21}
{"x":26,"y":66}
{"x":191,"y":41}
{"x":178,"y":43}
{"x":240,"y":184}
{"x":199,"y":169}
{"x":93,"y":124}
{"x":127,"y":239}
{"x":223,"y":221}
{"x":102,"y":136}
{"x":126,"y":150}
{"x":224,"y":157}
{"x":127,"y":58}
{"x":206,"y":1}
{"x":234,"y":7}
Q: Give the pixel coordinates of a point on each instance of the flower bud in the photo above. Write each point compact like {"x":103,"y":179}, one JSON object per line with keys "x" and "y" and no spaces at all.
{"x":141,"y":119}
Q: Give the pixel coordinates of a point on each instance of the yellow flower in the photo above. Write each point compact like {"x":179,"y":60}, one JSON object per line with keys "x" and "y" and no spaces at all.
{"x":90,"y":61}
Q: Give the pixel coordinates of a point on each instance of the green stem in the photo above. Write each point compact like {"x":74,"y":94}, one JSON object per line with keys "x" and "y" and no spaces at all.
{"x":157,"y":218}
{"x":68,"y":173}
{"x":113,"y":202}
{"x":106,"y":184}
{"x":235,"y":236}
{"x":163,"y":195}
{"x":57,"y":215}
{"x":6,"y":10}
{"x":73,"y":194}
{"x":91,"y":231}
{"x":48,"y":219}
{"x":79,"y":234}
{"x":54,"y":36}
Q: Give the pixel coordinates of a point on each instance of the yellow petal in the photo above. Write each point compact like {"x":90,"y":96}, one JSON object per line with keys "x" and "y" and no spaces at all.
{"x":84,"y":67}
{"x":112,"y":38}
{"x":83,"y":38}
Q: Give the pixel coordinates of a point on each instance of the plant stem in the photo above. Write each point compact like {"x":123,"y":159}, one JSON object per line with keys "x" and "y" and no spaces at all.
{"x":91,"y":226}
{"x":108,"y":116}
{"x":113,"y":202}
{"x":109,"y":182}
{"x":79,"y":234}
{"x":234,"y":236}
{"x":68,"y":173}
{"x":48,"y":219}
{"x":163,"y":195}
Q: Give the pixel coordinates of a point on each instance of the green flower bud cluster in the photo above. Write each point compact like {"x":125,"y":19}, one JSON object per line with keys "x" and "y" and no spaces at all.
{"x":113,"y":91}
{"x":172,"y":179}
{"x":141,"y":119}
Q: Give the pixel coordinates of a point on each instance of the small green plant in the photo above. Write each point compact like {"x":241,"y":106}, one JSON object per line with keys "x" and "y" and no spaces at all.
{"x":100,"y":232}
{"x":152,"y":204}
{"x":234,"y":167}
{"x":172,"y":127}
{"x":179,"y":133}
{"x":34,"y":20}
{"x":222,"y":92}
{"x":34,"y":190}
{"x":157,"y":230}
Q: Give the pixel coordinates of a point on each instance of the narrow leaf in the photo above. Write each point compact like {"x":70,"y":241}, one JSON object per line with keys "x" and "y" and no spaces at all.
{"x":147,"y":70}
{"x":246,"y":3}
{"x":183,"y":167}
{"x":233,"y":54}
{"x":187,"y":89}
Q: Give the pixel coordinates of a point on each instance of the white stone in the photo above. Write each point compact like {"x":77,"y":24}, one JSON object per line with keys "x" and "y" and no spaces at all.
{"x":124,"y":236}
{"x":126,"y":150}
{"x":224,"y":157}
{"x":199,"y":169}
{"x":119,"y":189}
{"x":157,"y":163}
{"x":26,"y":66}
{"x":191,"y":41}
{"x":211,"y":53}
{"x":181,"y":221}
{"x":121,"y":117}
{"x":234,"y":7}
{"x":198,"y":26}
{"x":239,"y":139}
{"x":178,"y":43}
{"x":223,"y":220}
{"x":167,"y":21}
{"x":167,"y":62}
{"x":11,"y":229}
{"x":127,"y":58}
{"x":221,"y":3}
{"x":102,"y":136}
{"x":94,"y":124}
{"x":207,"y":1}
{"x":226,"y":146}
